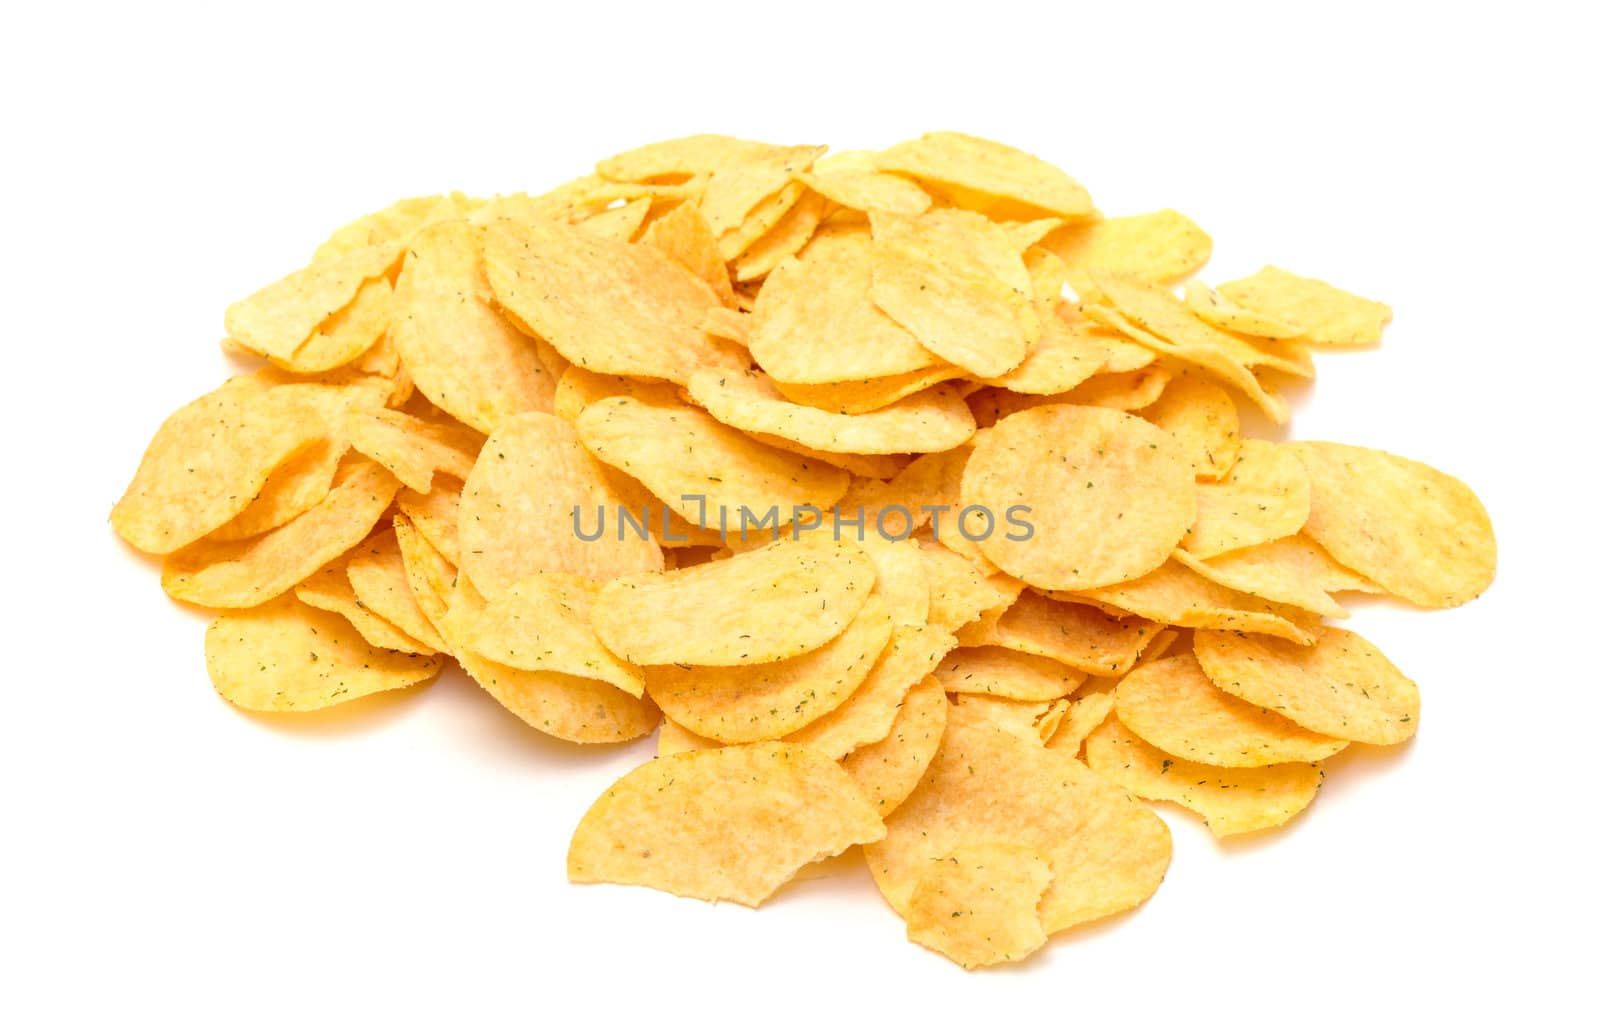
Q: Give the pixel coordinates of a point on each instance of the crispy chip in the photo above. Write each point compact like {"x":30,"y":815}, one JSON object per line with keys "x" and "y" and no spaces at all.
{"x":1160,"y":247}
{"x":888,"y":770}
{"x":1002,"y":673}
{"x":428,"y":573}
{"x":786,"y":237}
{"x":377,"y":574}
{"x":1108,"y":495}
{"x":1232,"y":801}
{"x":276,"y":320}
{"x":294,"y":488}
{"x":959,"y":590}
{"x":769,"y":604}
{"x":981,"y":174}
{"x":1264,"y":496}
{"x":1172,"y":595}
{"x":329,"y":590}
{"x":1417,"y":532}
{"x":728,"y":823}
{"x":286,"y":656}
{"x":411,"y":448}
{"x":902,"y":578}
{"x":572,"y":708}
{"x":435,"y":515}
{"x":1200,"y":415}
{"x":392,"y":226}
{"x":1076,"y":635}
{"x":345,"y":335}
{"x":1133,"y":390}
{"x":1086,"y":713}
{"x":1066,"y":355}
{"x":1223,"y":314}
{"x":685,"y":235}
{"x":1293,"y":570}
{"x":868,"y":190}
{"x":866,"y":716}
{"x":1324,"y":314}
{"x":979,"y":905}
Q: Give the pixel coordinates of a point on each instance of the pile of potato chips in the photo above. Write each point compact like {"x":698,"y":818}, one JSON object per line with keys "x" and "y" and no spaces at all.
{"x":903,"y":484}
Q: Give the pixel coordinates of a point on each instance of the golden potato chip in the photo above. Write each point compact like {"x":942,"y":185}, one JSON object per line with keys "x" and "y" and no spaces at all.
{"x":435,"y":515}
{"x":815,"y":322}
{"x":678,"y":159}
{"x":1019,"y":718}
{"x":1232,"y":801}
{"x":571,"y":708}
{"x":681,"y":452}
{"x":1026,"y":234}
{"x":413,"y":449}
{"x":1066,"y":355}
{"x":621,"y":222}
{"x":902,"y":580}
{"x":732,"y":324}
{"x":1324,"y":314}
{"x":286,"y":656}
{"x":868,"y":190}
{"x":1200,"y":415}
{"x":868,"y":394}
{"x":430,"y":576}
{"x":932,"y":420}
{"x":959,"y":285}
{"x":1417,"y":532}
{"x":1108,"y":853}
{"x":1133,"y":390}
{"x":1107,"y":495}
{"x":786,"y":237}
{"x":243,"y":573}
{"x":672,"y":739}
{"x":296,"y":486}
{"x":609,"y":306}
{"x":746,"y":177}
{"x":540,"y":624}
{"x":979,"y":905}
{"x":985,"y":175}
{"x":1047,"y":272}
{"x":722,"y":824}
{"x":959,"y":590}
{"x":345,"y":335}
{"x":1085,"y":714}
{"x":1264,"y":496}
{"x":1223,"y":314}
{"x":1160,"y":247}
{"x":1077,"y":635}
{"x":1341,"y":686}
{"x":1003,"y":673}
{"x":1173,"y":705}
{"x":762,"y":220}
{"x":459,"y":349}
{"x":768,"y":604}
{"x":866,"y":716}
{"x":377,"y":574}
{"x":329,"y":590}
{"x":533,"y":490}
{"x":685,"y":235}
{"x":1293,"y":570}
{"x":735,"y":704}
{"x":393,"y":226}
{"x":276,"y":320}
{"x":578,"y":389}
{"x":1173,"y":595}
{"x":888,"y":770}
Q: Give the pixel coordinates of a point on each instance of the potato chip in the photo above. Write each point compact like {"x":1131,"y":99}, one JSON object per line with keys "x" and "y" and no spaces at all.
{"x":772,"y":603}
{"x":960,"y":590}
{"x":1066,"y":355}
{"x":672,"y":739}
{"x":413,"y":449}
{"x":1324,"y":314}
{"x":1223,"y":314}
{"x":1200,"y":415}
{"x":762,"y":220}
{"x":902,"y":581}
{"x":934,"y":419}
{"x":276,"y":320}
{"x":377,"y":574}
{"x":462,"y":353}
{"x":988,"y":176}
{"x":685,"y":235}
{"x":732,"y":324}
{"x":293,"y":488}
{"x":678,"y":159}
{"x":618,"y":223}
{"x":578,"y":389}
{"x":1133,"y":390}
{"x":345,"y":335}
{"x":1341,"y":686}
{"x":532,"y":491}
{"x":735,"y":704}
{"x":865,"y":395}
{"x":786,"y":237}
{"x":868,"y":190}
{"x":681,"y":452}
{"x":1108,"y":853}
{"x":867,"y":715}
{"x":1232,"y":801}
{"x":723,"y":824}
{"x":435,"y":515}
{"x":1047,"y":272}
{"x":887,"y":771}
{"x":286,"y":656}
{"x":1264,"y":496}
{"x":1293,"y":570}
{"x":611,"y":307}
{"x":1160,"y":247}
{"x":1107,"y":495}
{"x":1085,"y":714}
{"x":1417,"y":532}
{"x":540,"y":624}
{"x":1076,"y":635}
{"x":243,"y":573}
{"x":956,"y":282}
{"x":329,"y":590}
{"x":815,"y":322}
{"x":1173,"y":705}
{"x":571,"y":708}
{"x":392,"y":226}
{"x":979,"y":905}
{"x":1018,"y":718}
{"x":430,"y":576}
{"x":1002,"y":673}
{"x":1172,"y":595}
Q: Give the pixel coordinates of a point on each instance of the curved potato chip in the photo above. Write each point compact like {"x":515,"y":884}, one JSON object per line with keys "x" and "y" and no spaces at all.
{"x":1003,"y":673}
{"x":1086,"y":713}
{"x":1132,"y":390}
{"x":411,"y":448}
{"x":1324,"y":314}
{"x":979,"y":905}
{"x":540,"y":624}
{"x":435,"y":515}
{"x":1066,"y":355}
{"x":243,"y":573}
{"x":294,"y":488}
{"x":680,"y":451}
{"x":345,"y":335}
{"x":459,"y":349}
{"x":1107,"y":853}
{"x":329,"y":590}
{"x":621,"y":223}
{"x":609,"y":306}
{"x":930,"y":421}
{"x":377,"y":574}
{"x":1019,"y":718}
{"x":1077,"y":635}
{"x":1161,"y":247}
{"x":1173,"y":595}
{"x":1266,"y":495}
{"x":868,"y":190}
{"x":1109,"y":496}
{"x":579,"y":389}
{"x":721,"y":824}
{"x":768,"y":604}
{"x":276,"y":320}
{"x":286,"y":656}
{"x":866,"y":716}
{"x":786,"y":237}
{"x":1224,"y":314}
{"x":1173,"y":705}
{"x":982,"y":174}
{"x":1201,"y":416}
{"x":1232,"y":801}
{"x":571,"y":708}
{"x":735,"y":704}
{"x":887,"y":771}
{"x":392,"y":226}
{"x":672,"y":739}
{"x":902,"y":580}
{"x":685,"y":235}
{"x":534,"y":487}
{"x":428,"y":573}
{"x":1417,"y":532}
{"x":959,"y":590}
{"x":1293,"y":571}
{"x":1341,"y":686}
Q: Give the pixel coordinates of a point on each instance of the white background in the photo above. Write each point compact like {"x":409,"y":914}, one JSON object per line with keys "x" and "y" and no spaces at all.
{"x":171,"y":862}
